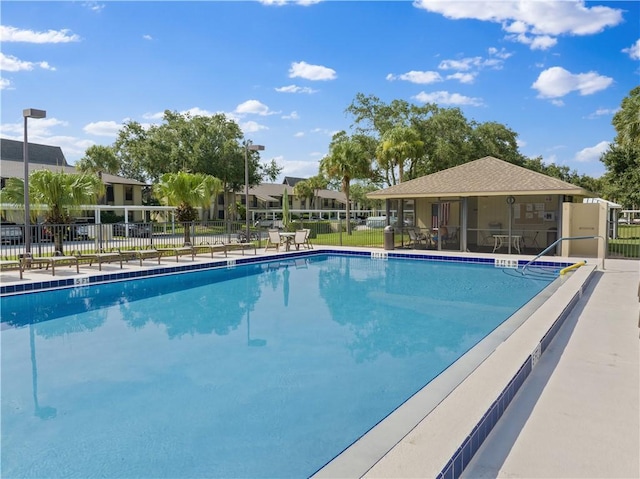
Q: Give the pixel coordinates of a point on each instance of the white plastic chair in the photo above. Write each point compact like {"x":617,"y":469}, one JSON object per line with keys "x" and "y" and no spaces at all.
{"x":273,"y":240}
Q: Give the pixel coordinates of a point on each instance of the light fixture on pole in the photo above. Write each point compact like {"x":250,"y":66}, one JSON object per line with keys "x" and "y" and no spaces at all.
{"x":28,"y":113}
{"x":248,"y":147}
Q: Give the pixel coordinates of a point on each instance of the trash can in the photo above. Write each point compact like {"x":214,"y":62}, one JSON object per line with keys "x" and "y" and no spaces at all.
{"x":389,"y":239}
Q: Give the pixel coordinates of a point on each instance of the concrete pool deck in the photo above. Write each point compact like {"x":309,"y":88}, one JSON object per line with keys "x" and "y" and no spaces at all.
{"x":577,"y":413}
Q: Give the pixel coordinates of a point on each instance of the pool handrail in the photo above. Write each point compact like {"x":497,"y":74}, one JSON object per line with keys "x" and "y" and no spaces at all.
{"x":559,"y":240}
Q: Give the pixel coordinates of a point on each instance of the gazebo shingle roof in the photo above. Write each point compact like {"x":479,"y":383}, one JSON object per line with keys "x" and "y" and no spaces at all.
{"x":487,"y":176}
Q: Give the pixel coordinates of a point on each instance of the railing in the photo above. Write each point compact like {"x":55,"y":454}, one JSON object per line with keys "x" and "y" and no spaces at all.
{"x":556,"y":242}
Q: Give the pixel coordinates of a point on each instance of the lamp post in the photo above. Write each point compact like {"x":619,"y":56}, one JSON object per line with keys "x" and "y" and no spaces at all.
{"x":28,"y":113}
{"x":248,"y":147}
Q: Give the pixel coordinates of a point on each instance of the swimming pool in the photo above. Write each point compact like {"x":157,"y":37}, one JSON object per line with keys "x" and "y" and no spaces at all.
{"x":263,"y":370}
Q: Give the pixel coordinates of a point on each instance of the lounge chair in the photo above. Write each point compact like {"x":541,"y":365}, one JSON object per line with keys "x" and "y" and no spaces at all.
{"x":28,"y":260}
{"x":210,"y":248}
{"x":141,"y":254}
{"x":11,"y":264}
{"x":178,"y":251}
{"x":273,"y":240}
{"x":99,"y":257}
{"x":241,"y":246}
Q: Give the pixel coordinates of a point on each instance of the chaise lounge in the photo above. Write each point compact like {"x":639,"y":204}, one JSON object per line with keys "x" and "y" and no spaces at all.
{"x":28,"y":260}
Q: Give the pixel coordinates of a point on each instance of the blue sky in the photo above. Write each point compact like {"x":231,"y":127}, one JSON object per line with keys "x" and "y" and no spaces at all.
{"x":553,"y":71}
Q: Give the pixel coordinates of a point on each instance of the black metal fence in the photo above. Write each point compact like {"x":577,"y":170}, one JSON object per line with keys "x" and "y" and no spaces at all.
{"x":87,"y":238}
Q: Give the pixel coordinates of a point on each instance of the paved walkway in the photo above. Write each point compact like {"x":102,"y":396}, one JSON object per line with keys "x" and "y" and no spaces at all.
{"x":578,"y":413}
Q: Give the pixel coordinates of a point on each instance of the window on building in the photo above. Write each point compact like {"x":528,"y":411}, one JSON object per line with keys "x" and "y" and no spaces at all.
{"x":110,"y":197}
{"x":128,"y":193}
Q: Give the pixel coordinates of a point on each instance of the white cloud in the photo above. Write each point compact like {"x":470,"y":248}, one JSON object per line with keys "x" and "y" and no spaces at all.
{"x":556,"y":82}
{"x":524,"y":20}
{"x":311,"y":72}
{"x":592,"y":153}
{"x":197,"y":111}
{"x":5,"y":84}
{"x":37,"y":128}
{"x":298,"y":168}
{"x":462,"y":77}
{"x":252,"y":127}
{"x":601,"y":112}
{"x":633,"y":50}
{"x":94,"y":6}
{"x":147,"y":37}
{"x":446,"y":98}
{"x":10,"y":63}
{"x":299,"y":134}
{"x":103,"y":128}
{"x":12,"y":34}
{"x":291,"y":116}
{"x":295,"y":89}
{"x":194,"y":111}
{"x":420,"y":77}
{"x":254,"y":107}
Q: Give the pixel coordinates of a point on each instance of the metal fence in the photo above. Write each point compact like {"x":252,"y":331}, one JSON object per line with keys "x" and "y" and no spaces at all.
{"x":88,"y":238}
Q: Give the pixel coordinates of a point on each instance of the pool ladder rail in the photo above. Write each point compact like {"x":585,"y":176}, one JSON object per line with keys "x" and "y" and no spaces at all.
{"x":552,"y":245}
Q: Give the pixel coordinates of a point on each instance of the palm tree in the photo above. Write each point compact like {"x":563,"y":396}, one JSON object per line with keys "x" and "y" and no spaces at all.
{"x":347,"y":160}
{"x":56,"y":194}
{"x":399,"y":145}
{"x":187,"y":191}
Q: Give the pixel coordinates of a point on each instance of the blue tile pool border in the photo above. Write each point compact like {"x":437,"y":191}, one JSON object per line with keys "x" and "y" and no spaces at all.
{"x":461,"y":458}
{"x":32,"y":287}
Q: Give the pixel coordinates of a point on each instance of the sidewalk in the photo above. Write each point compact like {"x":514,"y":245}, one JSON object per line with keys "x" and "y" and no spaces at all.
{"x":578,"y":413}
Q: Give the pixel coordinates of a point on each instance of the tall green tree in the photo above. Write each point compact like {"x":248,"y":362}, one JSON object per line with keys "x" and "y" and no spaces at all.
{"x":187,"y":191}
{"x":347,"y":160}
{"x":99,"y":159}
{"x":212,"y":145}
{"x":622,"y":159}
{"x":55,"y":194}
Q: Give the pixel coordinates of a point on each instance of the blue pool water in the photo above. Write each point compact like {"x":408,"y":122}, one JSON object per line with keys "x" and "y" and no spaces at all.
{"x":263,"y":370}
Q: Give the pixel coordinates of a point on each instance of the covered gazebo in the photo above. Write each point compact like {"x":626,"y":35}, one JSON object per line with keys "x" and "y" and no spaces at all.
{"x":486,"y":205}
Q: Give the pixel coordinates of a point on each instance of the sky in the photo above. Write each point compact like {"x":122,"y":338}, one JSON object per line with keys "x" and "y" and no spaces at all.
{"x":554,"y":72}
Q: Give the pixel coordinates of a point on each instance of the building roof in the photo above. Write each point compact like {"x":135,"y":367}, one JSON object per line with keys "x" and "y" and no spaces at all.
{"x":487,"y":176}
{"x":42,"y":154}
{"x":44,"y":157}
{"x":292,"y":180}
{"x":274,"y":191}
{"x":15,"y":169}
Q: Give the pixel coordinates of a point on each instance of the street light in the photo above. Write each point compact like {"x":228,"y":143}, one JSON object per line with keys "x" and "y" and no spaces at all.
{"x":28,"y":113}
{"x":248,"y":147}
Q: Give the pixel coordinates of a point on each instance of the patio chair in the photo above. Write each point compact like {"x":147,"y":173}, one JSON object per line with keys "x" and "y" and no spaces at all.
{"x":273,"y":240}
{"x":416,"y":238}
{"x":300,"y":239}
{"x":306,"y":238}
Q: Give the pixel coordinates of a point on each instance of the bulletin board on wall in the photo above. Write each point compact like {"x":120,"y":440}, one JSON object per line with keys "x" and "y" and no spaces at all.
{"x":531,"y":213}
